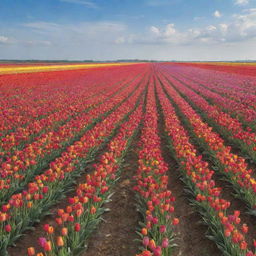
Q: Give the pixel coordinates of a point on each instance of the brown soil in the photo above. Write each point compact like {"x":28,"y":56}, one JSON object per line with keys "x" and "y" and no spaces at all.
{"x":30,"y":238}
{"x":116,"y":234}
{"x":228,"y":192}
{"x":191,"y":231}
{"x":237,"y":204}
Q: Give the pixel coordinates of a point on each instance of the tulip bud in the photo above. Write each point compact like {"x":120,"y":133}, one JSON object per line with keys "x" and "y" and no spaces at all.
{"x":3,"y":217}
{"x":8,"y":228}
{"x":60,"y":212}
{"x":64,"y":231}
{"x":158,"y":251}
{"x":77,"y":227}
{"x":71,"y":200}
{"x":46,"y":227}
{"x":146,"y":253}
{"x":42,"y":241}
{"x":93,"y":210}
{"x":48,"y":246}
{"x":162,"y":229}
{"x":144,"y":231}
{"x":71,"y":218}
{"x":59,"y":221}
{"x":227,"y":233}
{"x":245,"y":228}
{"x":175,"y":221}
{"x":45,"y":190}
{"x":79,"y":212}
{"x":50,"y":230}
{"x":155,"y":220}
{"x":165,"y":243}
{"x":243,"y":245}
{"x":60,"y":241}
{"x":31,"y":251}
{"x":145,"y":241}
{"x":152,"y":244}
{"x":69,"y":209}
{"x":29,"y":204}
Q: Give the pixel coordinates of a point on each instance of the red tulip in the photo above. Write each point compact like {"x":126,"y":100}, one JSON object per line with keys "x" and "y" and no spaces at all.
{"x":77,"y":227}
{"x":8,"y":228}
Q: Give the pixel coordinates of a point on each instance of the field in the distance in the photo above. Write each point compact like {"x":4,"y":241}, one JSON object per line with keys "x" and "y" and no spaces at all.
{"x":147,"y":159}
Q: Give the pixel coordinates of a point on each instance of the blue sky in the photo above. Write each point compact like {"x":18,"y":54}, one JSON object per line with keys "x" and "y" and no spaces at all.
{"x":121,"y":29}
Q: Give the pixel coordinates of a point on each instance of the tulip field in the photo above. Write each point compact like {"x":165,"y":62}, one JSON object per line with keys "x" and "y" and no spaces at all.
{"x":122,"y":159}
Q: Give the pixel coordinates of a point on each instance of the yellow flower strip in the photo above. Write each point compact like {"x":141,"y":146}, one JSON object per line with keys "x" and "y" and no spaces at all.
{"x":29,"y":69}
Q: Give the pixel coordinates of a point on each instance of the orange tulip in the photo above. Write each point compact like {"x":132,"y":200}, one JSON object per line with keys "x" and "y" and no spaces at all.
{"x":60,"y":241}
{"x":31,"y":251}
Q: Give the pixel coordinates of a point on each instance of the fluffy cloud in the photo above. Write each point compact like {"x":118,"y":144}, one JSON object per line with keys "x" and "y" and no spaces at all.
{"x":242,"y":27}
{"x":3,"y":39}
{"x":169,"y":34}
{"x":241,"y":2}
{"x":233,"y":39}
{"x":217,"y":14}
{"x":155,"y":30}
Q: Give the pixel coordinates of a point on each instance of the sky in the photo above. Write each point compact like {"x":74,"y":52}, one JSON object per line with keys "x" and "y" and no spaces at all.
{"x":180,"y":30}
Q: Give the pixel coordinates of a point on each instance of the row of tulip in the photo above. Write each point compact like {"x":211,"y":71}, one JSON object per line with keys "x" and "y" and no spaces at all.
{"x":22,"y":104}
{"x":27,"y":97}
{"x":28,"y":206}
{"x":219,"y":84}
{"x":155,"y":201}
{"x":225,"y":228}
{"x":245,"y":97}
{"x":23,"y":165}
{"x":246,"y":114}
{"x":227,"y":126}
{"x":75,"y":223}
{"x":64,"y":113}
{"x":233,"y":167}
{"x":233,"y":80}
{"x":242,"y":107}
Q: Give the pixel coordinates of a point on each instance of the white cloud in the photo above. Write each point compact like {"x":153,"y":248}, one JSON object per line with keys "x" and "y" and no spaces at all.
{"x":241,"y":2}
{"x":169,"y":34}
{"x":3,"y":39}
{"x":223,"y":28}
{"x":155,"y":30}
{"x":217,"y":14}
{"x":230,"y":39}
{"x":170,"y":30}
{"x":89,"y":4}
{"x":242,"y":27}
{"x":211,"y":28}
